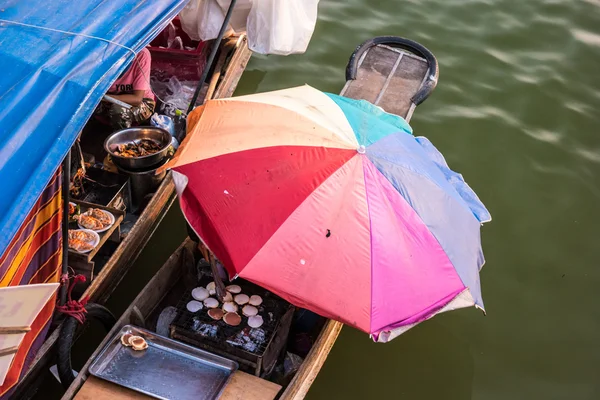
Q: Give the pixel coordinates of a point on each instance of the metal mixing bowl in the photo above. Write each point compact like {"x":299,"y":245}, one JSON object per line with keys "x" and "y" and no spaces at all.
{"x":129,"y":135}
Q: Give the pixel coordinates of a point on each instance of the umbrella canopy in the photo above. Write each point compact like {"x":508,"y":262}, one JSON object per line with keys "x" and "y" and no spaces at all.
{"x":334,"y":205}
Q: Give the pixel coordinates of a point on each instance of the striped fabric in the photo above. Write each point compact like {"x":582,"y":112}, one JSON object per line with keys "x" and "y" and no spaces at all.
{"x":34,"y":256}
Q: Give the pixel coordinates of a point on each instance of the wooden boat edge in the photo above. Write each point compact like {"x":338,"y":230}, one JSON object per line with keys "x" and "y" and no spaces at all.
{"x":304,"y":378}
{"x":166,"y":277}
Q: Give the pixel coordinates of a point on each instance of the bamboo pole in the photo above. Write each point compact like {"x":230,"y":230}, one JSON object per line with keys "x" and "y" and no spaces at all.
{"x":8,"y":351}
{"x":13,"y":330}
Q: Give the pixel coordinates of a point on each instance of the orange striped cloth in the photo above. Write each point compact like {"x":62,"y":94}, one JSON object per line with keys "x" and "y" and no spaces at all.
{"x":34,"y":256}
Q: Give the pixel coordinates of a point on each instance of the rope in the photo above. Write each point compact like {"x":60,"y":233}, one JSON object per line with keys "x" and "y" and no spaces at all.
{"x":67,"y":33}
{"x":73,"y":308}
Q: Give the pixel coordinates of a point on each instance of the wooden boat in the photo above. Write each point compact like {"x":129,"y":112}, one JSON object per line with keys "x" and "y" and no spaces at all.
{"x":234,"y":56}
{"x":394,"y":73}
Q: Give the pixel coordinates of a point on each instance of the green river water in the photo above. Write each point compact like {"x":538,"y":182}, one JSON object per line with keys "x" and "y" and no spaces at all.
{"x":517,"y":112}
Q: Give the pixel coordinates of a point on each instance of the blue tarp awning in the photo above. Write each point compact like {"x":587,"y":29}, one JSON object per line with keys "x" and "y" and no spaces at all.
{"x":57,"y":59}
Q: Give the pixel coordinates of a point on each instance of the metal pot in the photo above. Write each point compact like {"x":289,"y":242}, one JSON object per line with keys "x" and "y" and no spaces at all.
{"x":129,"y":135}
{"x":142,"y":183}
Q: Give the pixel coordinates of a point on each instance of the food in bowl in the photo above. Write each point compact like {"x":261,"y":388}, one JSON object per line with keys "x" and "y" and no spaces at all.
{"x":141,"y":148}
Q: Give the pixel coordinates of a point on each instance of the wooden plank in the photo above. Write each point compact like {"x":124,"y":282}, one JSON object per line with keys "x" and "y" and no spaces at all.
{"x":313,"y":362}
{"x":8,"y":351}
{"x":14,"y":330}
{"x":242,"y":386}
{"x":162,"y":281}
{"x":99,"y":389}
{"x":236,"y":67}
{"x":228,"y":46}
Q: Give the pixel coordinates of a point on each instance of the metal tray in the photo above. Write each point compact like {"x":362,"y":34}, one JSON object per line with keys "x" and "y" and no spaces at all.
{"x":165,"y":370}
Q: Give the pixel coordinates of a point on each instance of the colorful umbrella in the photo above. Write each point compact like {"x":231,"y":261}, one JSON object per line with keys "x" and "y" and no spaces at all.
{"x":332,"y":204}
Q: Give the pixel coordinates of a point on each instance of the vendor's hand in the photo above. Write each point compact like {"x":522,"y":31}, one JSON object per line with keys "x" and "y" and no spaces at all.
{"x":134,"y":99}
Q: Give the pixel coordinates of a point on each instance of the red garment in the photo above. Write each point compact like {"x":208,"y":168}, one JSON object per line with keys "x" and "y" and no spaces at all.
{"x":137,"y":77}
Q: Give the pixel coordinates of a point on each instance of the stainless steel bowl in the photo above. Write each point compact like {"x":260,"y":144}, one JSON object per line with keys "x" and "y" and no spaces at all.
{"x":129,"y":135}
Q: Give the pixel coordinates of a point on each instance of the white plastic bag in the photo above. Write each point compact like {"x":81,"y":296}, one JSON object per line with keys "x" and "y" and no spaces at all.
{"x":239,"y":17}
{"x":281,"y":27}
{"x":202,"y":19}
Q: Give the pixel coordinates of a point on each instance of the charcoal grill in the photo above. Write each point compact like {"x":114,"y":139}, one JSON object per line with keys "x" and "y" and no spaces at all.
{"x":106,"y":189}
{"x":257,"y":357}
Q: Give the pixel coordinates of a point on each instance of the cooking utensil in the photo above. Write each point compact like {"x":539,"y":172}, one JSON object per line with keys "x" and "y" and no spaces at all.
{"x":142,"y":183}
{"x":165,"y":370}
{"x":135,"y":135}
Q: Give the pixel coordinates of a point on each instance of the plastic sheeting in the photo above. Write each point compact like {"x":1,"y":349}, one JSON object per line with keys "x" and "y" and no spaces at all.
{"x":58,"y":59}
